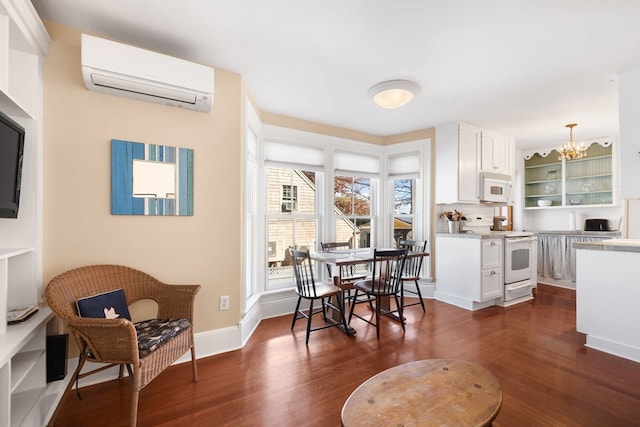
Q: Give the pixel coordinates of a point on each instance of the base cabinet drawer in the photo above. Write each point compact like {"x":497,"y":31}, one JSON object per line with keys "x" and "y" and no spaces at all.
{"x":518,"y":290}
{"x":491,"y":286}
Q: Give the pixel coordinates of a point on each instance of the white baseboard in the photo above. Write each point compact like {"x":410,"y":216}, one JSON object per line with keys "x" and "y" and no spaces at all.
{"x":216,"y":341}
{"x":467,"y":304}
{"x":618,"y":349}
{"x":560,"y":283}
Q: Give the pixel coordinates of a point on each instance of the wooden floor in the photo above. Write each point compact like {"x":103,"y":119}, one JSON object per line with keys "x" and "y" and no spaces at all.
{"x":548,"y":377}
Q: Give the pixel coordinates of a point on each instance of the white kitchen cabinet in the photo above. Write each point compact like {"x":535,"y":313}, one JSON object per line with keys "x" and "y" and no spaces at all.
{"x":629,"y":108}
{"x":457,"y":158}
{"x":496,"y":153}
{"x":469,"y":270}
{"x":492,"y":268}
{"x":464,"y":151}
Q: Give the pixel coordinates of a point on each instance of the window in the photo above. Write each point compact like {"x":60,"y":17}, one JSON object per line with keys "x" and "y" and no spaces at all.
{"x":315,"y":188}
{"x":289,"y":198}
{"x":352,"y":210}
{"x":292,"y":220}
{"x":403,"y":209}
{"x":406,"y":195}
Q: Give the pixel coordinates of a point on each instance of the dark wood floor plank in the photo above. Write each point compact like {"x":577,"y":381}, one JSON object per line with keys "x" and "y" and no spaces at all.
{"x":547,"y":376}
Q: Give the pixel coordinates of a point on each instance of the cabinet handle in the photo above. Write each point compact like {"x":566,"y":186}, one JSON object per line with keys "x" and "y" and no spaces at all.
{"x":493,"y":272}
{"x":493,"y":243}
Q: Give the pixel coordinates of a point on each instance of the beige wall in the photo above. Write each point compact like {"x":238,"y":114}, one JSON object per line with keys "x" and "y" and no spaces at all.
{"x":78,"y":228}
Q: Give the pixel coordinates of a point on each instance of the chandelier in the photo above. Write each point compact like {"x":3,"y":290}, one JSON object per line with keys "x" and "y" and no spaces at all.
{"x":569,"y":150}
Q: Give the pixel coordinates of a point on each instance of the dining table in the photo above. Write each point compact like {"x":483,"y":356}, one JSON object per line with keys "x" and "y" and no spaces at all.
{"x":343,"y":260}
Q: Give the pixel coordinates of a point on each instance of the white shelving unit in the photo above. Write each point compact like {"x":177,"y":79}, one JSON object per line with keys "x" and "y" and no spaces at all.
{"x":26,"y":399}
{"x":24,"y":371}
{"x":584,"y":182}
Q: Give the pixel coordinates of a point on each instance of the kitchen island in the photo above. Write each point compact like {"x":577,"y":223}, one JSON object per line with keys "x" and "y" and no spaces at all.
{"x":469,"y":269}
{"x":608,"y":296}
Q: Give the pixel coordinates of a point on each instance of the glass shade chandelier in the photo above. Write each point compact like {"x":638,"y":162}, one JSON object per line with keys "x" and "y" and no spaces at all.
{"x":569,"y":150}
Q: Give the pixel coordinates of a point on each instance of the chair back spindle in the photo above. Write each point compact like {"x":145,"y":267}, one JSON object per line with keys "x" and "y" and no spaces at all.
{"x":388,"y":266}
{"x":412,"y":269}
{"x":303,"y":273}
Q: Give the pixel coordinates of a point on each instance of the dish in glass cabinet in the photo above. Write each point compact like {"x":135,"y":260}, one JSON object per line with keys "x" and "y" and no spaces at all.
{"x":575,"y":201}
{"x":544,"y":203}
{"x":588,"y":186}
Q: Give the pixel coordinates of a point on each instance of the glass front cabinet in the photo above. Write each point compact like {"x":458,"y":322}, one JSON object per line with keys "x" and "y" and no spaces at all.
{"x":552,"y":182}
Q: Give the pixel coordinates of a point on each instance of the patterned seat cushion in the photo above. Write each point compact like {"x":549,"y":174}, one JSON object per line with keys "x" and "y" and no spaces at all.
{"x":153,"y":333}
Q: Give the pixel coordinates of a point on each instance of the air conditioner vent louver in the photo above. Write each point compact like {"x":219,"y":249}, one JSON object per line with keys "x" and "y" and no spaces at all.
{"x":142,"y":89}
{"x":119,"y":69}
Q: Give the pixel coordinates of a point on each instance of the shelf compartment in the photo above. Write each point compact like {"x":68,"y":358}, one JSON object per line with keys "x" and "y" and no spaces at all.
{"x":21,"y":366}
{"x":23,"y":403}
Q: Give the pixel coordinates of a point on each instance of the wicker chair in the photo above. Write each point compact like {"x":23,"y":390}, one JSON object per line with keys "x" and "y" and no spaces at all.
{"x":115,"y":341}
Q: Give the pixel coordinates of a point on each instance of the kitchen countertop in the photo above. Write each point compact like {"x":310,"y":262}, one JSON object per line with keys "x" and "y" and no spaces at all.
{"x":470,"y":235}
{"x":619,"y":245}
{"x":579,"y":233}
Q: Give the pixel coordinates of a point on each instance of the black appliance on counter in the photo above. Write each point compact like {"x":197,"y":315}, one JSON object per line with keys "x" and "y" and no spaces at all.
{"x":596,"y":224}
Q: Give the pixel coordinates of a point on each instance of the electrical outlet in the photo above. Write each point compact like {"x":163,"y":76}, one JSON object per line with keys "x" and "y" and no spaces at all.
{"x":224,"y":302}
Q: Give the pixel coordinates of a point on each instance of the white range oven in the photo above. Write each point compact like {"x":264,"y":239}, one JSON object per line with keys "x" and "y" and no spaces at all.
{"x":520,"y":267}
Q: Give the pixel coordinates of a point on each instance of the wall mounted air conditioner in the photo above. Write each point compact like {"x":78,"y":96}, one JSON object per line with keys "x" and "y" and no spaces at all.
{"x":123,"y":70}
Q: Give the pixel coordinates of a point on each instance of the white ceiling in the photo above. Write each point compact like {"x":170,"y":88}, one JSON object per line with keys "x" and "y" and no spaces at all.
{"x":522,"y":68}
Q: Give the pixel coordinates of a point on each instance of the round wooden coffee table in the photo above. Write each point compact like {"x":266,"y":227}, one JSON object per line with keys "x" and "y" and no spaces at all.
{"x":435,"y":392}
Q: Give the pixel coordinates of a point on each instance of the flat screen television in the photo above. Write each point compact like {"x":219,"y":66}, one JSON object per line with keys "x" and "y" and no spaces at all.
{"x":11,"y":151}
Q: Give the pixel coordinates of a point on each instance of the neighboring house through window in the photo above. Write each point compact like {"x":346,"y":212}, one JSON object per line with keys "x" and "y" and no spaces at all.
{"x":289,"y":198}
{"x":292,"y":220}
{"x":352,"y":210}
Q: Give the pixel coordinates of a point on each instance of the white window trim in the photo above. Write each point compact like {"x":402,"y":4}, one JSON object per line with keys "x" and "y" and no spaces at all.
{"x":253,"y":199}
{"x":422,"y":228}
{"x":381,"y":212}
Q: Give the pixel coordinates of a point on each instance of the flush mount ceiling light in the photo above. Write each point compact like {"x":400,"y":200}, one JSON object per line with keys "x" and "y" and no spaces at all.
{"x":394,"y":93}
{"x":569,"y":150}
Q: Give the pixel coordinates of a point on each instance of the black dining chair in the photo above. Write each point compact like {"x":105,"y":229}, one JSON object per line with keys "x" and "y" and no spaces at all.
{"x":385,"y":281}
{"x":331,"y":246}
{"x":308,"y":289}
{"x":412,"y":269}
{"x":349,"y":274}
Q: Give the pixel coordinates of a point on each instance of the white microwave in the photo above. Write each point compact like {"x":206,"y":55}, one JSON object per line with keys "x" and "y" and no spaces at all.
{"x":495,"y":187}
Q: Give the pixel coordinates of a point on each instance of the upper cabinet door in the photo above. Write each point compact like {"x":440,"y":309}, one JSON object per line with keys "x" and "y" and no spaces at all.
{"x":496,"y":153}
{"x":468,"y":185}
{"x":457,"y":163}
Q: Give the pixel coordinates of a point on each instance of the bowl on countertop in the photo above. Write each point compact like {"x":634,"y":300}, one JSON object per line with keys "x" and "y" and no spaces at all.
{"x":544,"y":203}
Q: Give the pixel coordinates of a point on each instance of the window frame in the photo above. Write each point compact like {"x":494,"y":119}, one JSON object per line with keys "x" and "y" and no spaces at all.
{"x":382,"y":196}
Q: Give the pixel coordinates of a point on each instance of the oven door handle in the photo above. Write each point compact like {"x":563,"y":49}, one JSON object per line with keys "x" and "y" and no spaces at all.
{"x":511,"y":288}
{"x":519,"y":239}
